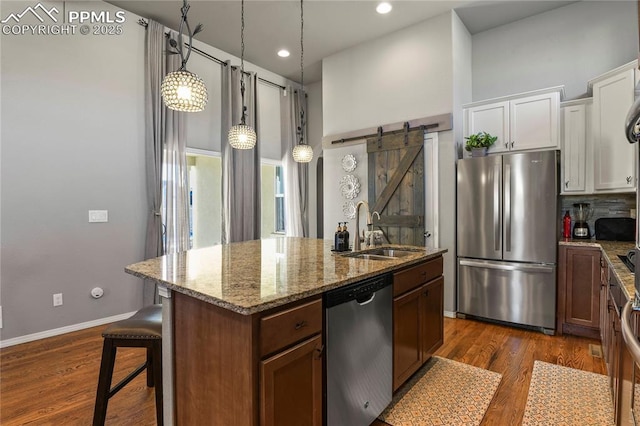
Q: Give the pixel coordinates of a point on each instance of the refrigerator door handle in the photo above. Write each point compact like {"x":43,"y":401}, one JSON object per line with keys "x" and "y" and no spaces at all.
{"x":496,"y":208}
{"x":510,"y":267}
{"x":507,"y":207}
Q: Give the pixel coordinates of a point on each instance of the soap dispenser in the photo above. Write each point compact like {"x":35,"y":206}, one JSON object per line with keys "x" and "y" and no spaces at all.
{"x":336,"y":238}
{"x":345,"y":236}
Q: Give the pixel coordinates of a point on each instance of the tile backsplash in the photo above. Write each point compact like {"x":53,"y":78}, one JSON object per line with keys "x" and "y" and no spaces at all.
{"x":603,"y":205}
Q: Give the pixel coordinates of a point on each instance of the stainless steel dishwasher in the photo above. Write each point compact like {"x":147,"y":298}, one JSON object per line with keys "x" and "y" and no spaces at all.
{"x":359,"y":355}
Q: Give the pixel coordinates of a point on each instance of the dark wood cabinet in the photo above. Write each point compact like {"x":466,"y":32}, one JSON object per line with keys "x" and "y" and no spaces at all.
{"x":407,"y":347}
{"x":579,"y":291}
{"x":291,"y":386}
{"x":432,"y":299}
{"x":604,"y":307}
{"x":418,"y":324}
{"x":261,"y":369}
{"x":620,"y":365}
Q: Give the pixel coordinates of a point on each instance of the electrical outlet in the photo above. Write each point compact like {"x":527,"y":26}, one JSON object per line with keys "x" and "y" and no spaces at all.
{"x":57,"y":299}
{"x":98,"y":216}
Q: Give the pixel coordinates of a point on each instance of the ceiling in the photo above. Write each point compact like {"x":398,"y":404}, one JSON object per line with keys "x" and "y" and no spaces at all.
{"x":329,"y":26}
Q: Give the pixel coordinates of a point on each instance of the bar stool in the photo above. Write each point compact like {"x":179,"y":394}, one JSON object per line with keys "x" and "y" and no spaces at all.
{"x":142,"y":330}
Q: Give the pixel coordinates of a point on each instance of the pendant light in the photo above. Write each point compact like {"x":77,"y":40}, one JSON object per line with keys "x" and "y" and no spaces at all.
{"x":183,"y":90}
{"x":302,"y":153}
{"x":242,"y":136}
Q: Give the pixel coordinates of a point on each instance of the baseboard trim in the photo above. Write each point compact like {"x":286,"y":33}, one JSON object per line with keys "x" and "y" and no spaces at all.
{"x":449,"y":314}
{"x":62,"y":330}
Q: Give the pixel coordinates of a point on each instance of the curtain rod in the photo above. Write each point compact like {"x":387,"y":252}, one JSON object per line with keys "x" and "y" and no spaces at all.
{"x":213,"y":58}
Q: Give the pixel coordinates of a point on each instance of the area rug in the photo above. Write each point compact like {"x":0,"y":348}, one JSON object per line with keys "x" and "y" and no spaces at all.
{"x":565,"y":396}
{"x":443,"y":392}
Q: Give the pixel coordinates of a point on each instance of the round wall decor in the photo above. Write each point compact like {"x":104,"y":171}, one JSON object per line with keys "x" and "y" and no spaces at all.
{"x":349,"y":163}
{"x":349,"y":209}
{"x":350,"y":187}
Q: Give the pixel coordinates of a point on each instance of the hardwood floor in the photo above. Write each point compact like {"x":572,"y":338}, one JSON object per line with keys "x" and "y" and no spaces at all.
{"x":511,"y":352}
{"x":53,"y":381}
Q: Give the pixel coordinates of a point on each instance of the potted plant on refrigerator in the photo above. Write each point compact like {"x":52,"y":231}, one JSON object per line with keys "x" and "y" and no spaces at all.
{"x":479,"y":143}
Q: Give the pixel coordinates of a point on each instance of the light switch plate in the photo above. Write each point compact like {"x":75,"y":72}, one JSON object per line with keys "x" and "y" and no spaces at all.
{"x":98,"y":216}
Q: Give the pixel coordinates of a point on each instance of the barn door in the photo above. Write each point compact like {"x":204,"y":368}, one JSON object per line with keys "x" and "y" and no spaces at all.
{"x":396,"y":185}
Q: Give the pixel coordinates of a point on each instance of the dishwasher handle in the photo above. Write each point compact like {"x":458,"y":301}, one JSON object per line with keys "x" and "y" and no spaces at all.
{"x":359,"y":291}
{"x":365,"y":299}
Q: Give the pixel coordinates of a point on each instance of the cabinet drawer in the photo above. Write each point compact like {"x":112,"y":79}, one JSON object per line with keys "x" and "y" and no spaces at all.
{"x":410,"y":278}
{"x":283,"y":328}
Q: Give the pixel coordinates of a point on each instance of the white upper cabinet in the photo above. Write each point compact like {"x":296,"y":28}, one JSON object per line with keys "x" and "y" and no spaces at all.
{"x":534,"y":122}
{"x":527,"y":121}
{"x":574,"y":146}
{"x":491,"y":118}
{"x":614,"y":157}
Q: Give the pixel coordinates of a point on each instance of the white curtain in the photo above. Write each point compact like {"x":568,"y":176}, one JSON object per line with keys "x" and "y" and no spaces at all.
{"x":295,"y":174}
{"x":154,"y":139}
{"x":176,"y":207}
{"x":240,"y":168}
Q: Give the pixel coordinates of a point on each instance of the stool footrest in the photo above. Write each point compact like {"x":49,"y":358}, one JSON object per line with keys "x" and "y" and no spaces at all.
{"x":126,"y":380}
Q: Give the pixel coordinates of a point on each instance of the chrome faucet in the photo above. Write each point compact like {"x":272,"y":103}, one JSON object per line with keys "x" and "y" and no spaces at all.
{"x":356,"y":242}
{"x":372,"y":236}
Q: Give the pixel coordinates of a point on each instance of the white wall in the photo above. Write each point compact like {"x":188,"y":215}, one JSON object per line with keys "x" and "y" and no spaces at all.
{"x":72,"y":141}
{"x":72,"y":135}
{"x":566,"y":46}
{"x":462,"y":74}
{"x":402,"y":76}
{"x":406,"y":75}
{"x":448,"y":151}
{"x":333,"y":199}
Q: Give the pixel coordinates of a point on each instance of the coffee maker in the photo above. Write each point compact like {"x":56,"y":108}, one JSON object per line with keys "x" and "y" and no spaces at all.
{"x":582,"y":212}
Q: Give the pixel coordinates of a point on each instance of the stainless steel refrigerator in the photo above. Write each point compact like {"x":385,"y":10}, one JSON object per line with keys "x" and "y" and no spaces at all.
{"x":507,"y":226}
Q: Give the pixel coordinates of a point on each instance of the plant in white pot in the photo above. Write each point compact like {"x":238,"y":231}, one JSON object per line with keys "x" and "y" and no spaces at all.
{"x":479,"y":143}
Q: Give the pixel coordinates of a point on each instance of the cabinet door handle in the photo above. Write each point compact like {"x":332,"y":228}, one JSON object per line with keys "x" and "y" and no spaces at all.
{"x":319,"y":351}
{"x":426,"y":293}
{"x":506,"y":145}
{"x":629,"y":179}
{"x":566,"y":184}
{"x":512,"y":142}
{"x":300,"y":324}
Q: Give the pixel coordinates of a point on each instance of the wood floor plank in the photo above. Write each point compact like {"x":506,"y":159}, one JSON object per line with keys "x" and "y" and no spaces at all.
{"x":53,"y":381}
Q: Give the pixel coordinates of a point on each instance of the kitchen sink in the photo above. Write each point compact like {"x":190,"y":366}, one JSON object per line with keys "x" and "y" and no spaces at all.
{"x":370,"y":256}
{"x":382,"y":253}
{"x":392,"y":252}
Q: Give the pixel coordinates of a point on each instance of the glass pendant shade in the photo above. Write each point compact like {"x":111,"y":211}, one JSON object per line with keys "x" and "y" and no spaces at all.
{"x":242,"y":136}
{"x":302,"y":153}
{"x":184,"y":91}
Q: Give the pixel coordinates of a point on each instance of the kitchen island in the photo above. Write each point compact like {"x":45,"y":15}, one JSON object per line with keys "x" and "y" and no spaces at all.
{"x":243,"y":325}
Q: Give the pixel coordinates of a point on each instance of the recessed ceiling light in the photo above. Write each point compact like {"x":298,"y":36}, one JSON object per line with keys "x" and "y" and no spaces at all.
{"x":283,"y":53}
{"x":383,"y":8}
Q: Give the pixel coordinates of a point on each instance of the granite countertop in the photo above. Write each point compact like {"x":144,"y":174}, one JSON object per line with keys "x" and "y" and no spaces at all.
{"x":611,"y":250}
{"x":254,"y":276}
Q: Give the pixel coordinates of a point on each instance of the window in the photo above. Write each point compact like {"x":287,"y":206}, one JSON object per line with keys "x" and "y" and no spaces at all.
{"x":279,"y":200}
{"x":205,"y":198}
{"x":272,"y":199}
